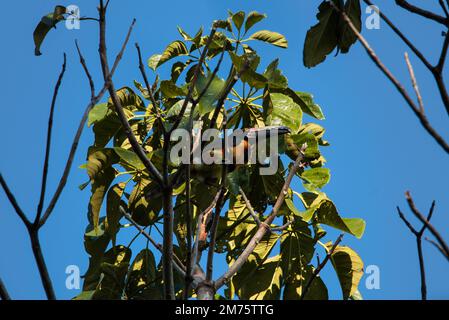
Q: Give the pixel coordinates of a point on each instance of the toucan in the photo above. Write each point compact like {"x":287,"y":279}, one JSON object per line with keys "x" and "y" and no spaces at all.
{"x":238,"y":150}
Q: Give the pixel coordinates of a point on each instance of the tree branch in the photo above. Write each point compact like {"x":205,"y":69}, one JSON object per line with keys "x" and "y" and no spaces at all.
{"x":262,"y":230}
{"x":48,"y":144}
{"x":4,"y":295}
{"x":426,"y":223}
{"x":414,"y":83}
{"x":435,"y":70}
{"x":421,"y":12}
{"x":421,"y":116}
{"x":320,"y":267}
{"x":13,"y":201}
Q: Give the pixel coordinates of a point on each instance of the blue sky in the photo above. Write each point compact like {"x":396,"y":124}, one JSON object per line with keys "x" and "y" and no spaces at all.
{"x":378,"y":150}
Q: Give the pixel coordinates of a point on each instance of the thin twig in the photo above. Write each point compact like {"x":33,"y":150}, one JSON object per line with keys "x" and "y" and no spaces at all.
{"x":48,"y":143}
{"x":250,"y":207}
{"x":158,"y":246}
{"x":4,"y":295}
{"x":422,"y":117}
{"x":421,"y":12}
{"x":320,"y":267}
{"x":436,"y":245}
{"x":13,"y":201}
{"x":262,"y":230}
{"x":428,"y":225}
{"x":414,"y":83}
{"x":435,"y":70}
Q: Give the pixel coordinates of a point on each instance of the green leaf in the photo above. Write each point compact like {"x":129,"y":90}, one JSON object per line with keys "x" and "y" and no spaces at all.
{"x":238,"y":19}
{"x":97,"y":113}
{"x":294,"y":288}
{"x":349,"y":268}
{"x":113,"y":213}
{"x":285,"y":112}
{"x":212,"y":94}
{"x":130,"y":158}
{"x":274,"y":76}
{"x":265,"y":282}
{"x":99,"y":188}
{"x":326,"y":213}
{"x":145,"y":202}
{"x":141,"y":282}
{"x":175,"y":49}
{"x":171,"y":90}
{"x":253,"y":18}
{"x":272,"y":37}
{"x":45,"y":25}
{"x":85,"y":295}
{"x":100,"y":160}
{"x":346,"y":36}
{"x":317,"y":177}
{"x":322,"y":38}
{"x":309,"y":106}
{"x":114,"y":267}
{"x":153,"y":61}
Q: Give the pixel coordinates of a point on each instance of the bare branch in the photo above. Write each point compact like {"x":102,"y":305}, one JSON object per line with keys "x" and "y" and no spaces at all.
{"x":414,"y":83}
{"x":320,"y":267}
{"x":421,"y":12}
{"x":262,"y":230}
{"x":436,"y":245}
{"x":48,"y":144}
{"x":86,"y":71}
{"x":428,"y":225}
{"x":443,"y":6}
{"x":421,"y":116}
{"x":435,"y":70}
{"x":178,"y":263}
{"x":250,"y":207}
{"x":4,"y":295}
{"x":14,"y":203}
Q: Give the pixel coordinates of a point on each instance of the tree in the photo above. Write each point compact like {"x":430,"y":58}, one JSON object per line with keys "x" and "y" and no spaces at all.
{"x":339,"y":26}
{"x":252,"y":219}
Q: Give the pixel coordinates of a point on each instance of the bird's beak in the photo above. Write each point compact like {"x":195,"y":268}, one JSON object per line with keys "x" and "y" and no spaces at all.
{"x":268,"y":132}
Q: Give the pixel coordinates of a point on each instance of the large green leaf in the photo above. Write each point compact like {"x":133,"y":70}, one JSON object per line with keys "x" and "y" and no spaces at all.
{"x":171,"y":90}
{"x":272,"y":37}
{"x":285,"y":112}
{"x":294,"y":287}
{"x":274,"y":75}
{"x":45,"y":25}
{"x":212,"y":94}
{"x":145,"y":202}
{"x":238,"y":19}
{"x":100,"y":160}
{"x":349,"y":268}
{"x":321,"y":39}
{"x":99,"y":188}
{"x":265,"y":282}
{"x":141,"y":281}
{"x":173,"y":50}
{"x":316,"y":177}
{"x":114,"y":267}
{"x":346,"y":36}
{"x":253,"y":18}
{"x":130,"y":158}
{"x":113,"y":213}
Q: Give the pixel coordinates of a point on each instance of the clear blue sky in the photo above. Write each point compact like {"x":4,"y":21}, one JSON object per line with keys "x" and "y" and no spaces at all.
{"x":378,"y":149}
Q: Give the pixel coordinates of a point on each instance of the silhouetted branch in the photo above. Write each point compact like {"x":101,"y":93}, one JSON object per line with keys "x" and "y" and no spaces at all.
{"x":4,"y":295}
{"x":320,"y":267}
{"x":13,"y":201}
{"x":262,"y":230}
{"x":435,"y":70}
{"x":48,"y":144}
{"x":414,"y":83}
{"x":426,"y":223}
{"x":420,"y":115}
{"x":421,"y":12}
